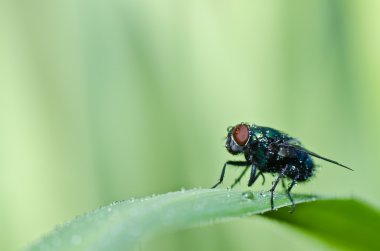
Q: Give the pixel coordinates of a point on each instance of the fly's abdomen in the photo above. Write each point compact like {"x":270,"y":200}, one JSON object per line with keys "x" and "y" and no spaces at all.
{"x":301,"y":167}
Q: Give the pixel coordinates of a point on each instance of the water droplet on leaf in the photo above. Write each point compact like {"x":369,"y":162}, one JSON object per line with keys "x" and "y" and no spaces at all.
{"x":248,"y":195}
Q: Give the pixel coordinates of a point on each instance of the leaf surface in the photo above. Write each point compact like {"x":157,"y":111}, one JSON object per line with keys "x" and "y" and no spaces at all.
{"x":123,"y":225}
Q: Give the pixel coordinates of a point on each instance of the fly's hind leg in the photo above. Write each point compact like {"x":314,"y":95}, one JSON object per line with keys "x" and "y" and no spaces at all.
{"x":290,"y":196}
{"x":280,"y":176}
{"x":283,"y":184}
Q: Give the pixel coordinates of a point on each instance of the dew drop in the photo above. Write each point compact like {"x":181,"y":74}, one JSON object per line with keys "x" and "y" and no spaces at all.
{"x":248,"y":195}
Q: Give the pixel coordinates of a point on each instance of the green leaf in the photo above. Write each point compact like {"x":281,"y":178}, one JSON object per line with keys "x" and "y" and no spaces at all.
{"x":123,"y":225}
{"x":348,"y":224}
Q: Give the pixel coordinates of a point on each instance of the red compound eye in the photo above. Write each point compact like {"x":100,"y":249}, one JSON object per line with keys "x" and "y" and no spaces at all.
{"x":241,"y":134}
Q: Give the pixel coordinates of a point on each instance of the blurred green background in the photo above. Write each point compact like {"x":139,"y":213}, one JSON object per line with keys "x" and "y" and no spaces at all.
{"x":107,"y":100}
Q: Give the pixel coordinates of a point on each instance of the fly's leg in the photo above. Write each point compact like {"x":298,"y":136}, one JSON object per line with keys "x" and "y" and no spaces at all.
{"x":256,"y":177}
{"x":283,"y":184}
{"x":290,"y":196}
{"x":253,"y":176}
{"x":262,"y":175}
{"x":240,"y":177}
{"x":281,"y":174}
{"x":232,"y":163}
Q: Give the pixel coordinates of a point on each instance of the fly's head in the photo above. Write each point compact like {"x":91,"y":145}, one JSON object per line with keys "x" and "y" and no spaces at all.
{"x":237,"y":138}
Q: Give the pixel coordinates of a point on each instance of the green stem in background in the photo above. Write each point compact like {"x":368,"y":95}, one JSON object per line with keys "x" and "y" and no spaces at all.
{"x":123,"y":225}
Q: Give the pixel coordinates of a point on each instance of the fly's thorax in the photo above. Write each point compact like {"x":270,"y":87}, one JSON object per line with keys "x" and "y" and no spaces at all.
{"x":250,"y":152}
{"x":258,"y":153}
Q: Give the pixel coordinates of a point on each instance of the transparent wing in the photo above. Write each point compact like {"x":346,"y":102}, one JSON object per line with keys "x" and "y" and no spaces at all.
{"x":295,"y":146}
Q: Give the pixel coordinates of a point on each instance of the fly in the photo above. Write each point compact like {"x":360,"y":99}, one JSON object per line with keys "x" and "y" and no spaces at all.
{"x":268,"y":150}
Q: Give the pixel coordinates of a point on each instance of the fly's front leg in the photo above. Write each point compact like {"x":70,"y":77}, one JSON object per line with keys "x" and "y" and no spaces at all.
{"x":254,"y":177}
{"x":251,"y":181}
{"x":262,"y":175}
{"x":240,"y":177}
{"x":232,"y":163}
